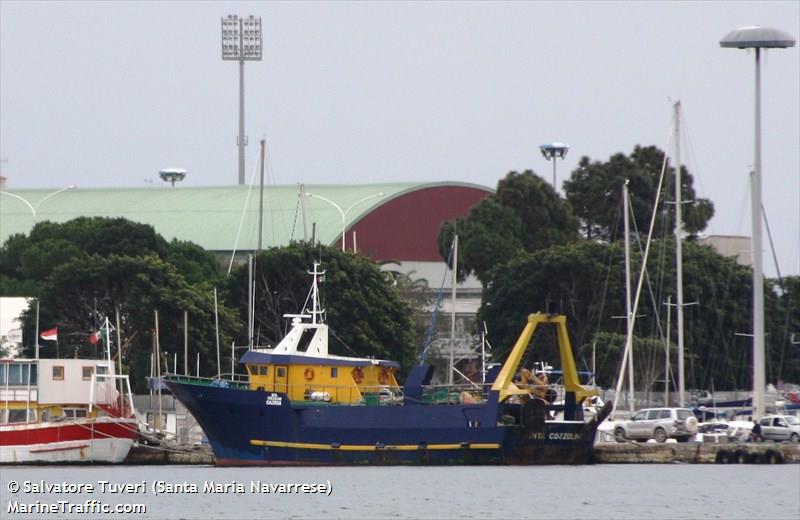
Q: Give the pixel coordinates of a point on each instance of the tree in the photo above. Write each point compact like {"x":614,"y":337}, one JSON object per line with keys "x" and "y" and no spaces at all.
{"x":595,"y":192}
{"x":365,"y":312}
{"x":525,"y":214}
{"x":85,"y":269}
{"x":584,"y":280}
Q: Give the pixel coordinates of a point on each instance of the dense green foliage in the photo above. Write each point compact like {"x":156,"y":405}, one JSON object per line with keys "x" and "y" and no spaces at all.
{"x":585,"y":281}
{"x":523,"y":244}
{"x":525,"y":214}
{"x":594,"y":191}
{"x":89,"y":268}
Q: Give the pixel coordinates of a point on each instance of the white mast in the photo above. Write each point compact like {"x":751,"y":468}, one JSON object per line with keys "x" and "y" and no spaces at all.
{"x":628,"y":328}
{"x":679,"y":256}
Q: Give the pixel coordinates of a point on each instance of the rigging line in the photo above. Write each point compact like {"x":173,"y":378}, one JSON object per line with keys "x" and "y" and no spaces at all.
{"x":691,"y":154}
{"x":609,"y":263}
{"x":653,"y":299}
{"x":296,"y":216}
{"x":783,"y":289}
{"x":340,"y":340}
{"x":428,"y":335}
{"x":241,"y":218}
{"x":639,"y":286}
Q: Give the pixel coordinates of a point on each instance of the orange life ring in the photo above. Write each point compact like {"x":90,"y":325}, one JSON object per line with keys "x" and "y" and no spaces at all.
{"x":358,"y":375}
{"x":309,"y":374}
{"x":383,"y":378}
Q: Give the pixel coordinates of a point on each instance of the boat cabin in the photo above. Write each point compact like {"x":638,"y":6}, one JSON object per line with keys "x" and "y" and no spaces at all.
{"x":301,"y":367}
{"x":45,"y":390}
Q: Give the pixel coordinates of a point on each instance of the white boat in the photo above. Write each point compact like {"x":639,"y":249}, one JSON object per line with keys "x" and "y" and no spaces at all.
{"x":64,"y":410}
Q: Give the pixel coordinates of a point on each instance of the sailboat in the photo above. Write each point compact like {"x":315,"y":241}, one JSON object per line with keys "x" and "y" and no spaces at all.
{"x":631,"y":310}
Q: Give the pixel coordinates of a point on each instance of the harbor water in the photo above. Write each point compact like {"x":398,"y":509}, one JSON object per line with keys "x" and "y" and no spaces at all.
{"x":608,"y":491}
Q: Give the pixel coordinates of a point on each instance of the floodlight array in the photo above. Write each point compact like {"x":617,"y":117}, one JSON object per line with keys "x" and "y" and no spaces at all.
{"x":241,"y":38}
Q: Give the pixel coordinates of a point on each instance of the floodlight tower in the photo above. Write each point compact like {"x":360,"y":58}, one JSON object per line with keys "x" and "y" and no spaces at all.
{"x":241,"y":41}
{"x":172,"y":175}
{"x":553,"y":151}
{"x":757,"y":38}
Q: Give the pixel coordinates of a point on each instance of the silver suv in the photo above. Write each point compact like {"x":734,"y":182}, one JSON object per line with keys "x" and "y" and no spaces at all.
{"x":659,"y":424}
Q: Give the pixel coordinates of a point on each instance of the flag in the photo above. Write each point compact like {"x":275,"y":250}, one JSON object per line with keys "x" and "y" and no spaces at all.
{"x":50,"y":335}
{"x":96,"y":336}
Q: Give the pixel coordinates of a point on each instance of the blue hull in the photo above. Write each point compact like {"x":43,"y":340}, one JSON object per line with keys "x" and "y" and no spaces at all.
{"x":247,"y":427}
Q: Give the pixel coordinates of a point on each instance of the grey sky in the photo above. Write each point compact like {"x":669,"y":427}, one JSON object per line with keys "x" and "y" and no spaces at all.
{"x":106,"y":94}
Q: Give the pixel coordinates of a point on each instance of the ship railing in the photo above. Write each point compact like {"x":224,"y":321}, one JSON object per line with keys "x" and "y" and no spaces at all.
{"x":238,"y":382}
{"x":459,"y":393}
{"x":369,"y":395}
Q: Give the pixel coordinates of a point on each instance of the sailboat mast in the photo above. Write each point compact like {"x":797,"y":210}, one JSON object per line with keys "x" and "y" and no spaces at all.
{"x":626,"y":220}
{"x":453,"y":313}
{"x":679,"y":256}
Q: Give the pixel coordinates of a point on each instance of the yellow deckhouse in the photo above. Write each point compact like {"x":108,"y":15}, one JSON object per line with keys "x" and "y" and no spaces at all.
{"x":301,"y":367}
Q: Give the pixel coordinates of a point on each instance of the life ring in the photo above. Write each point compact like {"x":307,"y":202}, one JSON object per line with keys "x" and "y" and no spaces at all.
{"x":309,"y":374}
{"x":383,"y":377}
{"x":358,"y":375}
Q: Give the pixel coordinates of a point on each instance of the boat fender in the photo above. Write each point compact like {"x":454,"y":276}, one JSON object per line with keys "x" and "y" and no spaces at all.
{"x":309,"y":374}
{"x":741,"y":457}
{"x":773,"y":457}
{"x":723,"y":457}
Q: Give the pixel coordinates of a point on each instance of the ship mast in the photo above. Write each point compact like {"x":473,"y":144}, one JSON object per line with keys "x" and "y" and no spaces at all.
{"x":679,"y":255}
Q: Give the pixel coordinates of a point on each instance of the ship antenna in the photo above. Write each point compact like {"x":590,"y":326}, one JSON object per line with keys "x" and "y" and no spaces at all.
{"x":316,"y":308}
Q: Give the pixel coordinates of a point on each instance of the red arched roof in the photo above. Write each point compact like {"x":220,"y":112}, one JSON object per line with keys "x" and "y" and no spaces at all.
{"x":405,"y":228}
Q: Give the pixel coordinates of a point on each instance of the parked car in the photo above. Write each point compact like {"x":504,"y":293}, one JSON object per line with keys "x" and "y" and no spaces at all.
{"x":659,"y":424}
{"x":780,"y":428}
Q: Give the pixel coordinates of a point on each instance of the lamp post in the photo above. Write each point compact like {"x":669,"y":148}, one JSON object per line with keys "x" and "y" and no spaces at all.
{"x":35,"y":208}
{"x":241,"y":41}
{"x":757,"y":38}
{"x":553,"y":151}
{"x":344,"y":212}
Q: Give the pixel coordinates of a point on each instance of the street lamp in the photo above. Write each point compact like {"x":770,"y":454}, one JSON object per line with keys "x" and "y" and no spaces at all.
{"x":344,"y":212}
{"x":757,"y":38}
{"x":241,"y":41}
{"x":553,"y":151}
{"x":35,"y":208}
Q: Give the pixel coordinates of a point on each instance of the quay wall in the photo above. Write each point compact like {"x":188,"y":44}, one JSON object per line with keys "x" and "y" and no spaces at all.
{"x":607,"y":453}
{"x":696,"y":453}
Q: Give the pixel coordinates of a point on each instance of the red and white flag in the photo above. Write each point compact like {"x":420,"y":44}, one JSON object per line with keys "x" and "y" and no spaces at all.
{"x":50,"y":335}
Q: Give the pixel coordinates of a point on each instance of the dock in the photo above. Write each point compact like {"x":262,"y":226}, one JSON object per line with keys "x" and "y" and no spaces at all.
{"x":697,"y":453}
{"x":142,"y":454}
{"x":607,"y":453}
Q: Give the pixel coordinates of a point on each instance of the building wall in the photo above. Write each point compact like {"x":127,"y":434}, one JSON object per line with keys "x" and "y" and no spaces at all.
{"x":738,"y":247}
{"x":406,"y":227}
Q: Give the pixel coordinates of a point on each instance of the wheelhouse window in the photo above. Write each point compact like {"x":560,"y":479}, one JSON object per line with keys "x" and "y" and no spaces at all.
{"x":334,"y":372}
{"x":58,"y":373}
{"x":74,"y":413}
{"x":87,"y":373}
{"x":281,"y":372}
{"x":102,"y":371}
{"x":14,"y":416}
{"x":262,"y":370}
{"x":17,"y":374}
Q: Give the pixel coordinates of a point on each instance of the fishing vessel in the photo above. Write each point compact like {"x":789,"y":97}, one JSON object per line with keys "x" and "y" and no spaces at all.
{"x":64,"y":410}
{"x":301,"y":405}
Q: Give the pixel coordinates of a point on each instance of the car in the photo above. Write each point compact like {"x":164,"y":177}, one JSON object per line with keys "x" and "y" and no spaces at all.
{"x":780,"y":428}
{"x":659,"y":424}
